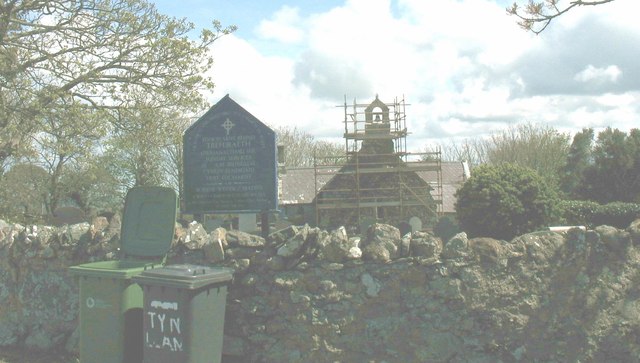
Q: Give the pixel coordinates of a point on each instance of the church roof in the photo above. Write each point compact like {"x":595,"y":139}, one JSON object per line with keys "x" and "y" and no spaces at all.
{"x":298,"y":184}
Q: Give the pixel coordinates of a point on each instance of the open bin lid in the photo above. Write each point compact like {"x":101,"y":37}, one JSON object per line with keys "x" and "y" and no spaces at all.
{"x":185,"y":276}
{"x":149,"y":221}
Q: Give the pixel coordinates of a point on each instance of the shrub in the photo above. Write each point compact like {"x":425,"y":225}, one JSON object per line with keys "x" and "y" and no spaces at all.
{"x":578,"y":212}
{"x":503,"y":201}
{"x":592,"y":214}
{"x":617,"y":214}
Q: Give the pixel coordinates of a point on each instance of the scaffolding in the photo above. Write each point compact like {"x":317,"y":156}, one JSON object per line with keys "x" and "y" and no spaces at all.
{"x":377,"y":176}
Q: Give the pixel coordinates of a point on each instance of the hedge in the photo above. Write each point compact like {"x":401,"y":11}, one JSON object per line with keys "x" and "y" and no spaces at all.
{"x":592,"y":214}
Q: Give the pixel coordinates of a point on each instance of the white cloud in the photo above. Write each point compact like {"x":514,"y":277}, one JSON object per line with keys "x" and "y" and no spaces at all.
{"x":283,"y":27}
{"x":264,"y":86}
{"x":622,"y":14}
{"x":599,"y":74}
{"x":458,"y":63}
{"x":616,"y":100}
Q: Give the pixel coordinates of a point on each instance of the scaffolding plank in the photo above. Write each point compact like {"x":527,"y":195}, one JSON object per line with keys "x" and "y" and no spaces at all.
{"x":394,"y":203}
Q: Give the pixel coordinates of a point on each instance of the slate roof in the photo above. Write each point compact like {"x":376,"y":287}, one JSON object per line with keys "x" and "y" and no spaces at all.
{"x":298,"y":184}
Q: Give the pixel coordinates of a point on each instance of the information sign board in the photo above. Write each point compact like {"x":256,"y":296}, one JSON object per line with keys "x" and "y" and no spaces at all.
{"x":229,"y":162}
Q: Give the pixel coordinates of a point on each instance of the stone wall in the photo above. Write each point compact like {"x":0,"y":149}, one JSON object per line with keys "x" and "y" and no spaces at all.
{"x":306,"y":295}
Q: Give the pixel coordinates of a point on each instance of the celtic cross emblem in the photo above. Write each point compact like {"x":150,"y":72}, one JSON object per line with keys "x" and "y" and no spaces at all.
{"x":228,"y":125}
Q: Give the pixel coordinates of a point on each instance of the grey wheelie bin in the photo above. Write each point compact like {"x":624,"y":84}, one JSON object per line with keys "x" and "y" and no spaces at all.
{"x":183,"y":313}
{"x":110,"y":302}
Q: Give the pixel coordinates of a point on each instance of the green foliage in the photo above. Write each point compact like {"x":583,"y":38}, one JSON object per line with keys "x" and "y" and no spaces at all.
{"x":66,"y":136}
{"x":606,"y":172}
{"x":446,"y":227}
{"x":97,"y":82}
{"x":572,"y":174}
{"x":23,"y":191}
{"x":617,"y":214}
{"x":26,"y":194}
{"x":137,"y":156}
{"x":535,"y":146}
{"x":578,"y":212}
{"x":615,"y":172}
{"x":592,"y":214}
{"x":90,"y":186}
{"x":503,"y":201}
{"x":106,"y":54}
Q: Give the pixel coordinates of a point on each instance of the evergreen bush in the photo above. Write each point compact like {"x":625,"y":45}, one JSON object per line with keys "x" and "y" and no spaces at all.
{"x":578,"y":212}
{"x":592,"y":214}
{"x":504,"y":201}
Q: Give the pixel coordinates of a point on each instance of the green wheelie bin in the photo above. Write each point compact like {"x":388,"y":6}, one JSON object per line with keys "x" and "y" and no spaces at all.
{"x":110,"y":302}
{"x":184,"y":308}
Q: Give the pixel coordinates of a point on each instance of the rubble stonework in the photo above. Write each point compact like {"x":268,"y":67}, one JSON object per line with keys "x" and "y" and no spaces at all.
{"x":308,"y":295}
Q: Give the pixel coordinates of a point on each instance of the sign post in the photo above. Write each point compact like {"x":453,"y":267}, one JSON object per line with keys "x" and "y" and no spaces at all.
{"x":229,"y":163}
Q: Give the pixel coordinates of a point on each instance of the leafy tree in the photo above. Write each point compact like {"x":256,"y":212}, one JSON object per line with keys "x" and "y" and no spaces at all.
{"x":172,"y":157}
{"x":85,"y":82}
{"x":23,"y":193}
{"x":64,"y":53}
{"x":615,"y":173}
{"x":65,"y":136}
{"x":535,"y":16}
{"x":572,"y":174}
{"x":504,"y":201}
{"x":60,"y":143}
{"x":136,"y":156}
{"x":91,"y":187}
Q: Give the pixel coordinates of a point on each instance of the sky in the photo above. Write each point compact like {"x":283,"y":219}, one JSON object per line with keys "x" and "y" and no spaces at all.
{"x":464,"y":67}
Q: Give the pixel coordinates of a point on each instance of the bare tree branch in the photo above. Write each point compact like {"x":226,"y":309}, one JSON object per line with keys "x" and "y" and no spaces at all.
{"x":535,"y":16}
